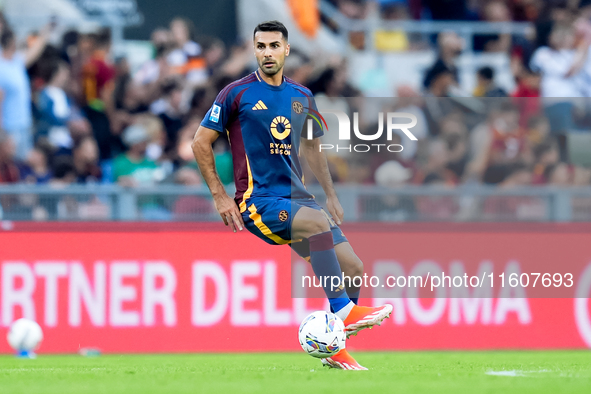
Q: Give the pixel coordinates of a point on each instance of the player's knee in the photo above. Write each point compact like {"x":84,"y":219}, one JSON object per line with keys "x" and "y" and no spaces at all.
{"x":309,"y":222}
{"x":318,"y":224}
{"x":357,"y":267}
{"x":353,"y":267}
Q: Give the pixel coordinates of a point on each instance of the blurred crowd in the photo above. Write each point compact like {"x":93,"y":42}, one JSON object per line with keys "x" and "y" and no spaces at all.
{"x":498,"y":137}
{"x":72,"y":114}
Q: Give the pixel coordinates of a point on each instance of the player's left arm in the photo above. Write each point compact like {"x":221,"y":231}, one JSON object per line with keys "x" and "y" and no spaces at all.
{"x":319,"y":166}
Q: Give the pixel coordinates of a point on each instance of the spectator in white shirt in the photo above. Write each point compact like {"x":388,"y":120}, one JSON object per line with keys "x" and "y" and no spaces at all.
{"x":560,"y":66}
{"x":186,"y":59}
{"x":560,"y":63}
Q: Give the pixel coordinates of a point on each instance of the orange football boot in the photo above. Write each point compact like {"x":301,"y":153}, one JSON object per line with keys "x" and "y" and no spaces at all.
{"x":343,"y":360}
{"x":362,"y":317}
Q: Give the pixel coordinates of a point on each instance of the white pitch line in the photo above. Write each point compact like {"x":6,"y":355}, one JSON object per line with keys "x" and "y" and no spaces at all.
{"x":47,"y":369}
{"x":515,"y":373}
{"x":504,"y":373}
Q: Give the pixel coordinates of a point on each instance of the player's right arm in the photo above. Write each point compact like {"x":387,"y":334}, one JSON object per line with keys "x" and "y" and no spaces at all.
{"x":203,"y":153}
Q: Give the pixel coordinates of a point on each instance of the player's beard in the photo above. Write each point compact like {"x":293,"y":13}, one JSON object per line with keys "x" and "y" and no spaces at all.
{"x":271,"y":71}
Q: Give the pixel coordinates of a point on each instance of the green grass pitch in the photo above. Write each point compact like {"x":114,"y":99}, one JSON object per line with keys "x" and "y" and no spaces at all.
{"x":394,"y":372}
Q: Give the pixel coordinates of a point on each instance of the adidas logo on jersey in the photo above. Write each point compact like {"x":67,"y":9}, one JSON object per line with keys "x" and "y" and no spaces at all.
{"x":259,"y":105}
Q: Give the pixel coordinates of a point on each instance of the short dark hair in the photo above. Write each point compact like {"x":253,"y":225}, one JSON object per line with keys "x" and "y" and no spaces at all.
{"x":103,"y":37}
{"x":487,"y":73}
{"x":63,"y":166}
{"x":271,"y":26}
{"x":543,"y":148}
{"x":50,"y":69}
{"x":6,"y":38}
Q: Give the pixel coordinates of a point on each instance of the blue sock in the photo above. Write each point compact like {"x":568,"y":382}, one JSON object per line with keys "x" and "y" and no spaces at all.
{"x":355,"y":300}
{"x":325,"y":264}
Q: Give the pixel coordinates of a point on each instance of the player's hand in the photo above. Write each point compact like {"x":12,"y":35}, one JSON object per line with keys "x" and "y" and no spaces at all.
{"x":229,"y":212}
{"x":335,"y":209}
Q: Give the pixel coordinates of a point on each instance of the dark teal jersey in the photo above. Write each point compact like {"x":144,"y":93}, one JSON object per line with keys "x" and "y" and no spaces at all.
{"x":264,"y":136}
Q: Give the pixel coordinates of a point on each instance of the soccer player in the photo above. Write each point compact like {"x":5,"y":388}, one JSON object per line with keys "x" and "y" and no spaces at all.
{"x":271,"y":200}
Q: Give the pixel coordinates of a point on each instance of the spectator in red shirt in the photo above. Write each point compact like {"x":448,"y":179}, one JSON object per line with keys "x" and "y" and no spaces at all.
{"x":497,"y":144}
{"x":97,"y":75}
{"x":98,"y":84}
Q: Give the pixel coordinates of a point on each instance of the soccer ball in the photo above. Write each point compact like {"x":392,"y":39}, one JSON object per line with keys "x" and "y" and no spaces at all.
{"x":322,"y":334}
{"x":25,"y":335}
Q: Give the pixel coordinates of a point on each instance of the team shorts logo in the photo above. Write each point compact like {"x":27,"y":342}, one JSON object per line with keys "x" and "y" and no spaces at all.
{"x":283,"y":215}
{"x":297,"y":107}
{"x":280,"y":127}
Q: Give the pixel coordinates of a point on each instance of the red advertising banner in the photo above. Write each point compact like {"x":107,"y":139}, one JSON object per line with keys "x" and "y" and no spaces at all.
{"x":178,"y":288}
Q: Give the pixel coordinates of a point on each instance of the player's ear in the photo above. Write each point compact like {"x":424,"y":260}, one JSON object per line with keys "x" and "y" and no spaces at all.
{"x":287,"y":50}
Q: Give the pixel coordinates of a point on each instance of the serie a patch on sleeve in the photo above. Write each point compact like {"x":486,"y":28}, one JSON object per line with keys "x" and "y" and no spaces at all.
{"x":215,"y":113}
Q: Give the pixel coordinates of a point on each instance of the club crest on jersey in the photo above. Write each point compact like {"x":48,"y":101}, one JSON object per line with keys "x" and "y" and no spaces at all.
{"x":215,"y":113}
{"x":297,"y":107}
{"x":283,"y":215}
